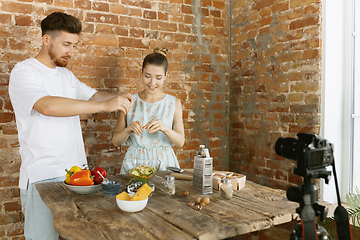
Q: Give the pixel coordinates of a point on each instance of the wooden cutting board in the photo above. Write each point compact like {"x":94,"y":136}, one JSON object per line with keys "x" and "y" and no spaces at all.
{"x":186,"y":175}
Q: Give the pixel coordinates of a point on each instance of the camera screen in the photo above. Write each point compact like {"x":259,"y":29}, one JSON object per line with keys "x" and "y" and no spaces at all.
{"x":316,"y":159}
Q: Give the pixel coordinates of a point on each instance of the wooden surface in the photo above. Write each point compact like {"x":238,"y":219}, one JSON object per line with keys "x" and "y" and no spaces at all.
{"x":186,"y":175}
{"x":92,"y":216}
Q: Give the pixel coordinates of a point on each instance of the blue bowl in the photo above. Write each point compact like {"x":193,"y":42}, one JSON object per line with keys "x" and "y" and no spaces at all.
{"x":110,"y":188}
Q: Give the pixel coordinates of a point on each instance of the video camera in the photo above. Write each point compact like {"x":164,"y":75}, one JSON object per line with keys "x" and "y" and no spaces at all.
{"x":313,"y":154}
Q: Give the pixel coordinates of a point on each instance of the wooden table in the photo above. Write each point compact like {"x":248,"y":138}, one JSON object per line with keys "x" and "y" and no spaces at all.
{"x":92,"y":216}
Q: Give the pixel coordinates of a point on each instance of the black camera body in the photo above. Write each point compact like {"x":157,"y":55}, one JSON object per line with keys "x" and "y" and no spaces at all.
{"x":311,"y":152}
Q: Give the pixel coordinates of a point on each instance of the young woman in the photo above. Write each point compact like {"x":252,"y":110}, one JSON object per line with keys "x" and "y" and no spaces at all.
{"x":154,"y":122}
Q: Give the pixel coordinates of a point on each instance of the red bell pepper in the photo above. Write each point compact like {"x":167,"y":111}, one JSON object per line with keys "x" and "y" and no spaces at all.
{"x":82,"y":178}
{"x":98,"y":179}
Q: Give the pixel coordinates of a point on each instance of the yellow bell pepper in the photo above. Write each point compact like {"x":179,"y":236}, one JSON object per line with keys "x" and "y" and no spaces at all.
{"x":69,"y":173}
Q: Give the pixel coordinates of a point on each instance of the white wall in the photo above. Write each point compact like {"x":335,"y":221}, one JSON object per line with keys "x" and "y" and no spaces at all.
{"x":336,"y":89}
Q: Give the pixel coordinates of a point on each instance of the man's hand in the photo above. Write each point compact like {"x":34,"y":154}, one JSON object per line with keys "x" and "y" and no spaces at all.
{"x":128,"y":96}
{"x":118,"y":103}
{"x":113,"y":102}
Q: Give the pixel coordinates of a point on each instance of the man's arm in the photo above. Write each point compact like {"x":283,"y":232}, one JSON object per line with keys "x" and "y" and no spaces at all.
{"x":102,"y":96}
{"x":99,"y":102}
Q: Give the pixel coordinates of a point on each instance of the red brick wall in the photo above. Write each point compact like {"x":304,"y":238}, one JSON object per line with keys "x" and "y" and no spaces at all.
{"x":115,"y":39}
{"x":275,"y":83}
{"x":271,"y":77}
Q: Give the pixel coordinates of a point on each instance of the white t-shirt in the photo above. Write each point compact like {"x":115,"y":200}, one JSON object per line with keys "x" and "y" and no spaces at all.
{"x":48,"y":145}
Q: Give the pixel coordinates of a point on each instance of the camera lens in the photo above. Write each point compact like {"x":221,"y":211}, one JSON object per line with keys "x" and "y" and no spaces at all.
{"x":294,"y":194}
{"x":286,"y":147}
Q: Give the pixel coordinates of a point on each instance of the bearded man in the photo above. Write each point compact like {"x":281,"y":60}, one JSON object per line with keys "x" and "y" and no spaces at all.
{"x":47,"y":99}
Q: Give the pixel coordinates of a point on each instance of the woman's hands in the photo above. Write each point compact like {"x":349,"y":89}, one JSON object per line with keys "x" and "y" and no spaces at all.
{"x":154,"y":126}
{"x":151,"y":127}
{"x":136,"y":127}
{"x":176,"y":135}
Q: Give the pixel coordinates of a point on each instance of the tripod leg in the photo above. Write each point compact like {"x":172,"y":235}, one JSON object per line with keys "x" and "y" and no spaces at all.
{"x":309,"y":230}
{"x":296,"y":232}
{"x":308,"y":219}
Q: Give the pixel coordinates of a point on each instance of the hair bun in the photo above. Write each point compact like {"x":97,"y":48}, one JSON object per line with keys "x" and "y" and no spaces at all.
{"x":161,"y":50}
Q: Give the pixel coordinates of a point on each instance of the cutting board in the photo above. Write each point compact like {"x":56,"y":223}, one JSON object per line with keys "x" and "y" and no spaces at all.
{"x":186,"y":175}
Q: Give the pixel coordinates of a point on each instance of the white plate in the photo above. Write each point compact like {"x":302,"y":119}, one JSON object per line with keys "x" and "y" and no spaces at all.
{"x":83,"y":189}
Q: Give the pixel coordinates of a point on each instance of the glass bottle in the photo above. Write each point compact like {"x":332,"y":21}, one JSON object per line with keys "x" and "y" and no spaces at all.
{"x":201,"y":150}
{"x":225,"y":189}
{"x":169,"y":185}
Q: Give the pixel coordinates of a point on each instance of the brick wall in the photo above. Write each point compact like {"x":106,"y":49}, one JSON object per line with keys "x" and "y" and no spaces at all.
{"x":117,"y":35}
{"x":275,"y":83}
{"x":271,"y":78}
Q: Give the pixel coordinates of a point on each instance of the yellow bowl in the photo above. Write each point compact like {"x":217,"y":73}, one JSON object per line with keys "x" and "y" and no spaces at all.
{"x":132,"y":206}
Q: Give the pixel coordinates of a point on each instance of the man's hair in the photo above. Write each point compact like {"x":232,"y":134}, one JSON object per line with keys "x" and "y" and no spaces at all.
{"x":58,"y":21}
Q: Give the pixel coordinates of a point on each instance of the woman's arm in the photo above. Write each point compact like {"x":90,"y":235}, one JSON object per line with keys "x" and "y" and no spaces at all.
{"x":121,"y":132}
{"x":177,"y":135}
{"x":120,"y":135}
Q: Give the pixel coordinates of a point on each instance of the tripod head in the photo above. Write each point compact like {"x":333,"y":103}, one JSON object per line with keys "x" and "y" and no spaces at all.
{"x":296,"y":194}
{"x":307,"y":197}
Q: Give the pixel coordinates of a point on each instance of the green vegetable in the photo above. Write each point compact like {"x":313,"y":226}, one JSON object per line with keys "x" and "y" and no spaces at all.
{"x":135,"y":173}
{"x":142,"y":171}
{"x":144,"y":180}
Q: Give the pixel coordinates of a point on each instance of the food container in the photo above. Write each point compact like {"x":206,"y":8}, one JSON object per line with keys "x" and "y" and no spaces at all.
{"x":110,"y":188}
{"x":132,"y":206}
{"x":168,"y":185}
{"x":83,"y":189}
{"x":225,"y":189}
{"x":237,"y":180}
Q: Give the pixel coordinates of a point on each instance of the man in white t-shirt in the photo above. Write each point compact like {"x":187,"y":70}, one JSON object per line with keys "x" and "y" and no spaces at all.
{"x":47,"y":99}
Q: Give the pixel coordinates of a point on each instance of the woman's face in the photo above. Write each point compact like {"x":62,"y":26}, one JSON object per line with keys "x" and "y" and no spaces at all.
{"x":153,"y":78}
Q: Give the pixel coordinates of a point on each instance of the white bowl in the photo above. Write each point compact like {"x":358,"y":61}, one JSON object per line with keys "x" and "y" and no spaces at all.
{"x":131,"y":206}
{"x":83,"y":189}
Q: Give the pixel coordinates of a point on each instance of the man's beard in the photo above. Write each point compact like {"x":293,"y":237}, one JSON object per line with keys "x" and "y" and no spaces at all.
{"x":57,"y":61}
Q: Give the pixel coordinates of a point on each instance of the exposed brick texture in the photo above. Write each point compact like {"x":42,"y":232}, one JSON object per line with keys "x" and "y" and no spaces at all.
{"x":274,"y":84}
{"x":116,"y":37}
{"x":263,"y":57}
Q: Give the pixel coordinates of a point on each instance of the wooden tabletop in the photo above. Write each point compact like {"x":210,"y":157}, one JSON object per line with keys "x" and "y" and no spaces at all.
{"x":92,"y":216}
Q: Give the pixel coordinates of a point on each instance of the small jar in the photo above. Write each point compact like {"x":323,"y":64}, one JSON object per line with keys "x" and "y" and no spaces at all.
{"x":225,"y":189}
{"x":201,"y":151}
{"x":169,"y":185}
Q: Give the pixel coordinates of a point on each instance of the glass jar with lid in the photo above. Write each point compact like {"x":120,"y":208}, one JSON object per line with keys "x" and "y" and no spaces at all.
{"x":225,"y":189}
{"x":168,"y":186}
